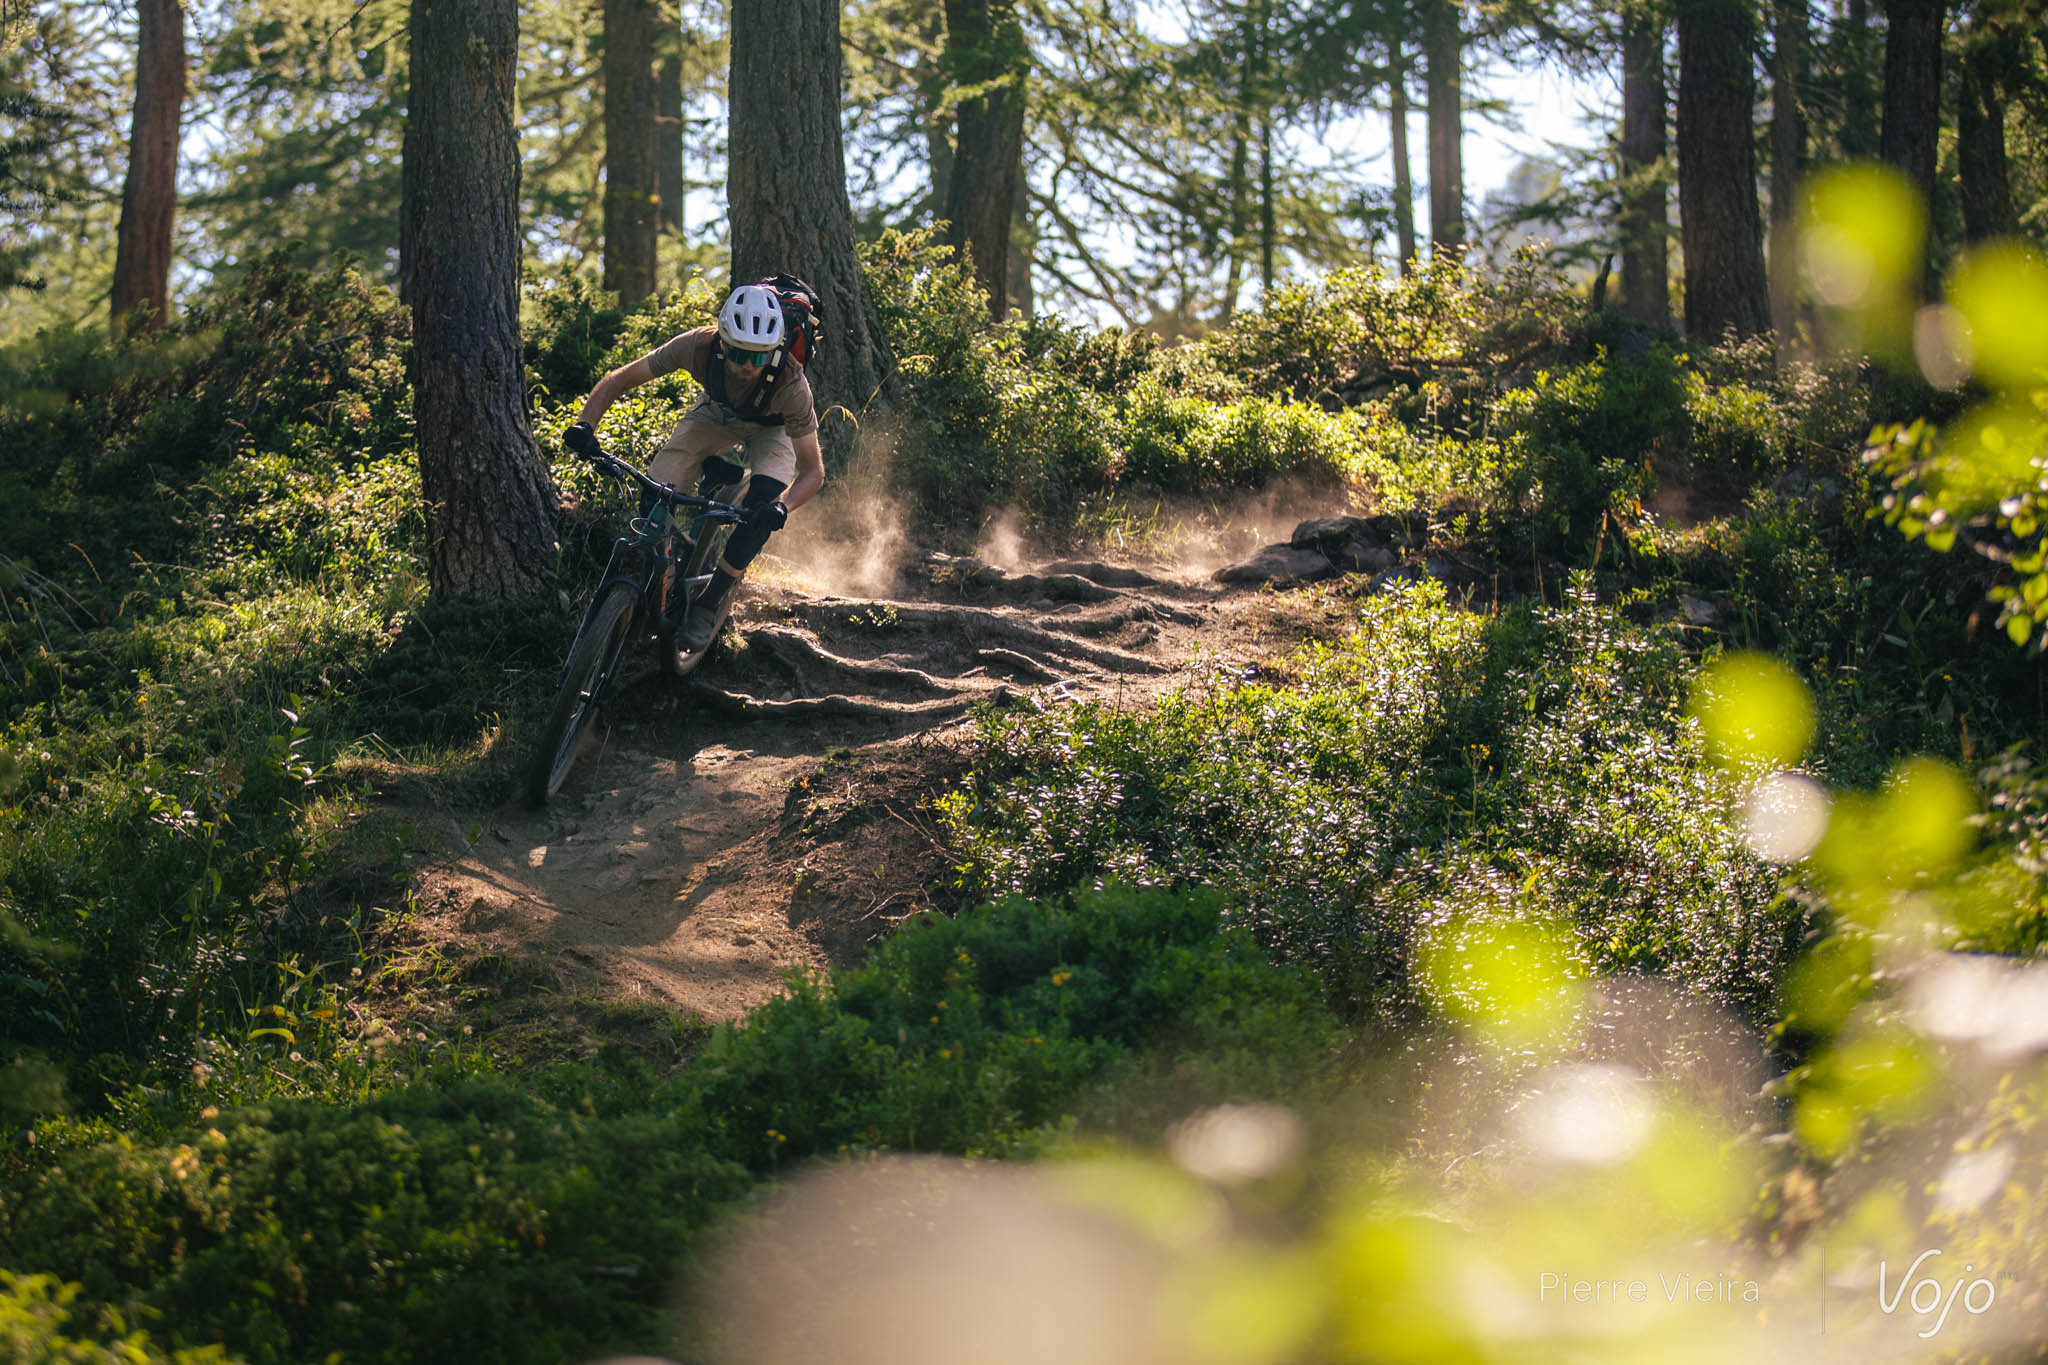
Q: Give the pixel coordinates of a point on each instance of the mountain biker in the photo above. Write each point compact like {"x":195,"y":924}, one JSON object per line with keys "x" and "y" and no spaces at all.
{"x":775,"y":430}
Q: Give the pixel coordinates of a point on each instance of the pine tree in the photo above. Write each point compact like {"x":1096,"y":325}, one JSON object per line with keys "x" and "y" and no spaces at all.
{"x":1645,"y":196}
{"x":786,"y":195}
{"x":632,"y":178}
{"x":489,"y":501}
{"x":1721,"y":228}
{"x":987,"y":60}
{"x":149,"y":198}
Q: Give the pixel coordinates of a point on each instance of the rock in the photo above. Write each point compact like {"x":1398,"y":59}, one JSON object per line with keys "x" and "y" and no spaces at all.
{"x":1279,"y":564}
{"x":1353,"y":544}
{"x":1696,"y":611}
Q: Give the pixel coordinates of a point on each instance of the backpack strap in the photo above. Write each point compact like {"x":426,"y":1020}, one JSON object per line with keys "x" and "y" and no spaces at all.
{"x":755,"y":408}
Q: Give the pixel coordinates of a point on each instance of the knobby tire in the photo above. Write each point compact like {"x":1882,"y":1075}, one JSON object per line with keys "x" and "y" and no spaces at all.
{"x":710,"y":545}
{"x":592,"y":660}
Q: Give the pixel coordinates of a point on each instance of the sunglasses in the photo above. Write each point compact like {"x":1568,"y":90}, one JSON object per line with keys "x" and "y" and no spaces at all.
{"x":751,"y":359}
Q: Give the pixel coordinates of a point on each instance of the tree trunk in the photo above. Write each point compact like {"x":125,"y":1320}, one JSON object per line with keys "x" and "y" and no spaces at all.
{"x":1912,"y":90}
{"x":668,"y":131}
{"x":1397,"y":127}
{"x":632,"y":179}
{"x":1023,"y":248}
{"x":1852,"y":42}
{"x":985,"y":43}
{"x":786,"y":188}
{"x":1721,"y":227}
{"x":1788,"y":158}
{"x":149,"y":197}
{"x":1980,"y":144}
{"x":1645,"y":233}
{"x":490,"y":503}
{"x":1233,"y":274}
{"x":1267,"y":234}
{"x":1444,"y":54}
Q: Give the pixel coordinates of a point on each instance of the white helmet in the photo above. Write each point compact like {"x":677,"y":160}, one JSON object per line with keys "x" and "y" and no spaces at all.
{"x":751,"y":319}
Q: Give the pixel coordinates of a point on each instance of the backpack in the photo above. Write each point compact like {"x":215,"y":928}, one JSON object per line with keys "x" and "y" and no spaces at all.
{"x":801,"y":309}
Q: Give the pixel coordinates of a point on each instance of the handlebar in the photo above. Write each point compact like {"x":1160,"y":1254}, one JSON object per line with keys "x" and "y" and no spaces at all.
{"x":709,"y":507}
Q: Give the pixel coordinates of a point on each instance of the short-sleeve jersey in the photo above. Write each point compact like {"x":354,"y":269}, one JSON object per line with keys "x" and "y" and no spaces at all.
{"x":691,"y":352}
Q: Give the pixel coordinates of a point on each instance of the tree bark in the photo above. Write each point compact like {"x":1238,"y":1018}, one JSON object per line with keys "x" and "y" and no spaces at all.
{"x":1912,"y":90}
{"x":668,"y":131}
{"x":1397,"y":128}
{"x":1721,"y":228}
{"x":149,"y":196}
{"x":786,"y":188}
{"x":1443,"y":55}
{"x":490,"y":504}
{"x":1980,"y":143}
{"x":632,"y":179}
{"x":1645,"y":232}
{"x":1023,"y":247}
{"x":1789,"y":40}
{"x":1853,"y":63}
{"x":984,"y":44}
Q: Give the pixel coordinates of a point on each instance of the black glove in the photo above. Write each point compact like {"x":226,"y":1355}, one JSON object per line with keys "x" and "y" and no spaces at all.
{"x":581,"y":440}
{"x":768,"y":519}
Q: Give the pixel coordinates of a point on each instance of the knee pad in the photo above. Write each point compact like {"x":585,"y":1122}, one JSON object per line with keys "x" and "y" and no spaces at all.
{"x":717,"y":472}
{"x":746,"y":541}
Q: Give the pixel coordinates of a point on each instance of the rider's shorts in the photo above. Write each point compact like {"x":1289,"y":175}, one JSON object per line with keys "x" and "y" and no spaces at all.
{"x":707,"y":430}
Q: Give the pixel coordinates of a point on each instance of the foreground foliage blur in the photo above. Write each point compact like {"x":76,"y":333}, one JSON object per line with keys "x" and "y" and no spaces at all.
{"x":1500,"y":801}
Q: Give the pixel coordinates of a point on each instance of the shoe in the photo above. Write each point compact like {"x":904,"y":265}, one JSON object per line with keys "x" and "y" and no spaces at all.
{"x":707,"y":613}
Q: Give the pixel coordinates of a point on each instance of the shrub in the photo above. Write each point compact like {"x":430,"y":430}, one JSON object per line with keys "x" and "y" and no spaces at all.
{"x":962,"y":1034}
{"x":570,"y":327}
{"x":1583,"y":439}
{"x":36,"y":1324}
{"x":479,"y":1221}
{"x":1431,"y":764}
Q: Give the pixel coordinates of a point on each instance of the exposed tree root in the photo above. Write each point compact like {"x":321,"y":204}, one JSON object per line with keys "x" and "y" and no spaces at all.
{"x":986,"y":624}
{"x":743,"y":707}
{"x":1108,"y":575}
{"x":1018,"y":663}
{"x":1131,"y":611}
{"x":801,"y":654}
{"x":983,"y":577}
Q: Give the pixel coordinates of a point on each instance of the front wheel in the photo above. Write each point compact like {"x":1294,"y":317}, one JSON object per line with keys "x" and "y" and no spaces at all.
{"x":592,"y":660}
{"x":676,"y":656}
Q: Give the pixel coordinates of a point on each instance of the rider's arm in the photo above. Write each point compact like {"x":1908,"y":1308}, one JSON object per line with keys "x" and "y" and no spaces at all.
{"x":608,"y":389}
{"x":810,"y":471}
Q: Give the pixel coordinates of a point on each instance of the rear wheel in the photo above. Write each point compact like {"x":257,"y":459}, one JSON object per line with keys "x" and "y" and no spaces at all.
{"x":592,"y":660}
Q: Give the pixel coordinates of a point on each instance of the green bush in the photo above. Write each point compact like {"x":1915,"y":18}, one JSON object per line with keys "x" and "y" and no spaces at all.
{"x":527,"y":1220}
{"x":1430,"y":765}
{"x":425,"y":1226}
{"x":36,"y":1326}
{"x":570,"y":326}
{"x":963,"y":1034}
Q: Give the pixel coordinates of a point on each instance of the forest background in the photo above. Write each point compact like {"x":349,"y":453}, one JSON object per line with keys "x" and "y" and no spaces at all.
{"x":1637,"y":861}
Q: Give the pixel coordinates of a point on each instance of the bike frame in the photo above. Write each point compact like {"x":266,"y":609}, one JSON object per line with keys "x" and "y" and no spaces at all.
{"x":652,"y":538}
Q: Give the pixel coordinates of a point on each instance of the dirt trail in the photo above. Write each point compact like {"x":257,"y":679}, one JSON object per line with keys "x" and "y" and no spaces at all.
{"x":769,"y":812}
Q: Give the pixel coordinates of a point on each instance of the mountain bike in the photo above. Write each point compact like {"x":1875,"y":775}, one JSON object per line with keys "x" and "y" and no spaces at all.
{"x":651,"y":582}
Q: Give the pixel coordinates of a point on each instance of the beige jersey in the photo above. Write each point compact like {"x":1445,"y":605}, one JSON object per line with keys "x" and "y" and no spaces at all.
{"x":691,"y":352}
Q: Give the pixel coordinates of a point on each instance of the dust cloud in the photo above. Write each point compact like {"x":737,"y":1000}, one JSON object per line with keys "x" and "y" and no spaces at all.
{"x":1193,"y":536}
{"x":1002,"y":541}
{"x":853,"y":538}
